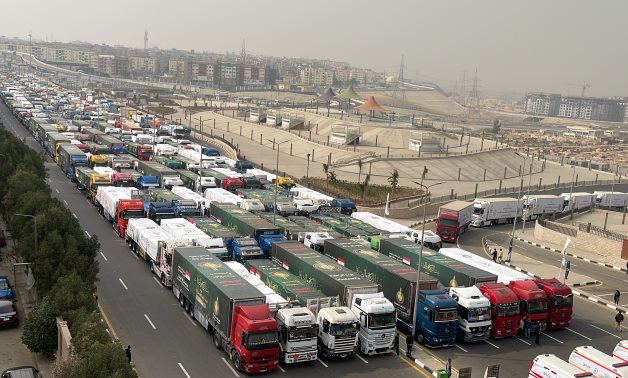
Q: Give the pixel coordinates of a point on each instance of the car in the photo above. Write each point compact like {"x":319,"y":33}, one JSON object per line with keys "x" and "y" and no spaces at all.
{"x":21,"y":372}
{"x":6,"y":292}
{"x":8,"y":313}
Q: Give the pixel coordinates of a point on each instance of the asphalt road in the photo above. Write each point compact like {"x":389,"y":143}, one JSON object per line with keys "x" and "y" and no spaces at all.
{"x":164,"y":340}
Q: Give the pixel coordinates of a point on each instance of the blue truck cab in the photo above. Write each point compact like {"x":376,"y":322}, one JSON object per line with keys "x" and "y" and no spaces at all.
{"x":339,"y":205}
{"x":186,"y":208}
{"x":245,"y":248}
{"x":119,"y":149}
{"x":210,"y":151}
{"x":157,"y":211}
{"x":436,"y":319}
{"x":266,"y":241}
{"x":76,"y":161}
{"x":145,"y":182}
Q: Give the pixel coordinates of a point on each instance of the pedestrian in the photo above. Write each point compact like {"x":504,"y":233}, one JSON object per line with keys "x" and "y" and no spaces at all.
{"x":409,"y":342}
{"x":616,"y":297}
{"x":618,"y":319}
{"x":537,"y":339}
{"x":494,"y":254}
{"x":128,"y":353}
{"x":627,"y":268}
{"x":521,"y":326}
{"x":526,"y":328}
{"x":501,"y":256}
{"x":397,"y":343}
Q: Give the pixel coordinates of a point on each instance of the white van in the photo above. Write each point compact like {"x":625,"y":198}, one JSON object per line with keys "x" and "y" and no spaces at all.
{"x":621,"y":350}
{"x":550,"y":366}
{"x":600,"y":364}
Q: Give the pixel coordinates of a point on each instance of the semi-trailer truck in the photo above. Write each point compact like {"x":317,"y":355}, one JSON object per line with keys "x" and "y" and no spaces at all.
{"x":228,"y":307}
{"x":504,"y":274}
{"x":453,"y":220}
{"x":532,"y":302}
{"x":535,"y":206}
{"x":70,"y":157}
{"x":560,"y":302}
{"x":474,"y":313}
{"x":577,"y":201}
{"x":166,"y":177}
{"x":140,"y":151}
{"x":504,"y":309}
{"x":490,"y":211}
{"x":611,"y":199}
{"x":118,"y":205}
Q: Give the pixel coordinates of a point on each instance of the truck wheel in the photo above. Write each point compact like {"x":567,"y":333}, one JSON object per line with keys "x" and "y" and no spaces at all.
{"x":186,"y":306}
{"x":319,"y":349}
{"x":216,"y":339}
{"x":162,"y":279}
{"x":236,"y":361}
{"x":182,"y":300}
{"x":191,"y":311}
{"x":420,"y":338}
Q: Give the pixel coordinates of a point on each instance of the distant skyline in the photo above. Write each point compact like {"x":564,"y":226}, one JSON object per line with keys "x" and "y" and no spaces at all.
{"x":532,"y":45}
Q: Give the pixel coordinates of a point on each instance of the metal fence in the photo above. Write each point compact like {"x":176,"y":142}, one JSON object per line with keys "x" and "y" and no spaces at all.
{"x":595,"y":230}
{"x":558,"y":227}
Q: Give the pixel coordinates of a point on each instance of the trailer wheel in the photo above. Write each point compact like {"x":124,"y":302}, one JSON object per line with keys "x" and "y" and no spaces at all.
{"x":186,"y":306}
{"x":181,"y":300}
{"x":216,"y":339}
{"x":191,"y":310}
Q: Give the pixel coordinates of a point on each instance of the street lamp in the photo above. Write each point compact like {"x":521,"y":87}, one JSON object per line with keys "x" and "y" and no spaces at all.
{"x":276,"y":176}
{"x":571,"y":204}
{"x":418,"y":273}
{"x":35,"y":224}
{"x":307,"y":170}
{"x":523,"y":225}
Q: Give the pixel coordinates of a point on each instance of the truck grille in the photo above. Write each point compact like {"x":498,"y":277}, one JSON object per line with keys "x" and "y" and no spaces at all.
{"x":479,"y":329}
{"x":305,"y":348}
{"x":263,"y":358}
{"x":344,"y":345}
{"x":380,"y":341}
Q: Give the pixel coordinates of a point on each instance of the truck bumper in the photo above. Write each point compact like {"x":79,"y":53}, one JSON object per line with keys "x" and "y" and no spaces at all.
{"x":254,"y":368}
{"x":470,"y":337}
{"x":291,"y":358}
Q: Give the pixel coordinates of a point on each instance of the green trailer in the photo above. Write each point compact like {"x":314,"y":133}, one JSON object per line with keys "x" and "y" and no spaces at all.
{"x":190,"y":179}
{"x":245,"y":222}
{"x":214,"y":229}
{"x":170,"y":163}
{"x":82,"y":177}
{"x":162,"y":195}
{"x":339,"y":226}
{"x":289,"y":229}
{"x":398,"y":281}
{"x":321,"y":272}
{"x":449,"y":272}
{"x":42,"y":131}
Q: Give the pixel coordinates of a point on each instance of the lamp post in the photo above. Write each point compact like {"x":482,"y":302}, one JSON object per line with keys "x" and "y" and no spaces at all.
{"x":276,"y":176}
{"x":523,"y":225}
{"x":35,"y":224}
{"x":307,"y":170}
{"x":418,"y":272}
{"x":571,"y":204}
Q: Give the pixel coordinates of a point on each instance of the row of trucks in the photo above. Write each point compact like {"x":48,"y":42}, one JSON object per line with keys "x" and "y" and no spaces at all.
{"x":584,"y":361}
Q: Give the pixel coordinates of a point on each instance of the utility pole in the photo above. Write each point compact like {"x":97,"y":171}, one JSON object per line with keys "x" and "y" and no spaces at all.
{"x":276,"y":176}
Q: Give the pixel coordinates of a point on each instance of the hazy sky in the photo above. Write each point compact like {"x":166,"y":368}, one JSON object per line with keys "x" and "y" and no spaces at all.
{"x":517,"y":46}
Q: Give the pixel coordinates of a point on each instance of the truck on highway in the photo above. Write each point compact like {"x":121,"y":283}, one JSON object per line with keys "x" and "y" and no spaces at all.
{"x":560,"y":302}
{"x":504,"y":309}
{"x":118,"y":205}
{"x":599,"y":363}
{"x":611,"y":199}
{"x":140,"y":151}
{"x":231,"y":309}
{"x":539,"y":205}
{"x":577,"y":201}
{"x":532,"y":302}
{"x":166,"y":177}
{"x":225,"y":180}
{"x":490,"y":211}
{"x":474,"y":313}
{"x":123,"y":179}
{"x":71,"y":157}
{"x":453,"y":219}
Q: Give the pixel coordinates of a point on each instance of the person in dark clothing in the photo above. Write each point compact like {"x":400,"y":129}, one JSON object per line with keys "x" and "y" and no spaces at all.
{"x":409,"y":343}
{"x":537,"y":338}
{"x":627,"y":268}
{"x":494,"y":255}
{"x":526,"y":328}
{"x":397,"y":343}
{"x":128,"y":353}
{"x":616,"y":297}
{"x":618,"y":319}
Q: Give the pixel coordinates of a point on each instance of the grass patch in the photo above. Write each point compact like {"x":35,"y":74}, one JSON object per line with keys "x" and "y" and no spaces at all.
{"x":374,"y":195}
{"x":162,"y":110}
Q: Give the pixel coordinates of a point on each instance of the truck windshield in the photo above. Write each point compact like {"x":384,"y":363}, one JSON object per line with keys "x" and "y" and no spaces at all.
{"x":537,"y":307}
{"x":446,"y":315}
{"x":348,"y":329}
{"x":447,"y":222}
{"x":379,"y":321}
{"x":126,"y":183}
{"x":478,"y":210}
{"x":480,"y":313}
{"x":261,"y":340}
{"x":128,"y":214}
{"x":562,"y":301}
{"x":507,"y":310}
{"x":305,"y":333}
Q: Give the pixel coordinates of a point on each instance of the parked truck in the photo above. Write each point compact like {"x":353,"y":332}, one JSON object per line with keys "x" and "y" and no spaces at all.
{"x":227,"y":182}
{"x":338,"y":205}
{"x":140,"y":151}
{"x":228,"y":307}
{"x":504,"y":309}
{"x":118,"y":205}
{"x":474,"y":313}
{"x":611,"y":199}
{"x":166,"y":177}
{"x":71,"y":157}
{"x":560,"y":302}
{"x":453,"y":220}
{"x":577,"y":201}
{"x":540,"y":205}
{"x":532,"y":302}
{"x":490,"y":211}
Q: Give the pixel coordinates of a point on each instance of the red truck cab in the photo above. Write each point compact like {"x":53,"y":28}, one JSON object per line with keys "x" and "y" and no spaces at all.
{"x":447,"y":226}
{"x":122,"y":179}
{"x":255,"y":339}
{"x":145,"y":152}
{"x":232,"y":184}
{"x":532,"y":302}
{"x":127,"y":209}
{"x":505,"y":313}
{"x":560,"y":298}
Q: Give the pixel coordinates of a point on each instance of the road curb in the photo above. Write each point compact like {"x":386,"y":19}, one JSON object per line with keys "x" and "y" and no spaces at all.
{"x":425,"y":367}
{"x":598,"y":300}
{"x":572,"y":255}
{"x":420,"y":223}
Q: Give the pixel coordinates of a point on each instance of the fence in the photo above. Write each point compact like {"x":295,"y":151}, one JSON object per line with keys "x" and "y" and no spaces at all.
{"x":595,"y":230}
{"x":563,"y":229}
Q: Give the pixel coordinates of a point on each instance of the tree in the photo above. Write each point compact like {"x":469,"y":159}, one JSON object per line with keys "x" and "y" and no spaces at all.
{"x":359,"y":169}
{"x":393,"y":180}
{"x":88,"y":330}
{"x":71,"y":298}
{"x":105,"y":361}
{"x":40,"y":330}
{"x":364,"y":185}
{"x":333,"y":177}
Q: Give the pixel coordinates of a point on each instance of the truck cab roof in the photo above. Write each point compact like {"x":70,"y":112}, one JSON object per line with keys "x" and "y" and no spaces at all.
{"x":373,"y":303}
{"x":553,"y":286}
{"x":499,"y":292}
{"x":469,"y":297}
{"x":338,"y":314}
{"x":527,"y":289}
{"x":295,"y":316}
{"x":437,"y":298}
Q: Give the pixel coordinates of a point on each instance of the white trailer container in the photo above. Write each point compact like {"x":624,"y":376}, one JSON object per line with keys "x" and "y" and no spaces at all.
{"x":577,"y":201}
{"x":302,"y":192}
{"x":490,"y":211}
{"x":504,"y":274}
{"x":381,"y":223}
{"x":228,"y":172}
{"x":223,"y":196}
{"x":538,"y":205}
{"x":197,"y":156}
{"x":260,"y":174}
{"x":182,"y":229}
{"x":144,"y":237}
{"x":189,"y":194}
{"x":611,"y":199}
{"x":621,"y":350}
{"x":104,"y":171}
{"x":107,"y":198}
{"x":600,"y":364}
{"x":164,"y":150}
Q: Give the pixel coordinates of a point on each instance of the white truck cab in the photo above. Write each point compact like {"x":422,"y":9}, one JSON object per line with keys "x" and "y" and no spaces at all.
{"x":474,"y":313}
{"x":316,"y":240}
{"x":252,"y":205}
{"x":298,"y":333}
{"x":378,"y":323}
{"x":430,"y":239}
{"x":305,"y":205}
{"x":550,"y":366}
{"x":337,"y":332}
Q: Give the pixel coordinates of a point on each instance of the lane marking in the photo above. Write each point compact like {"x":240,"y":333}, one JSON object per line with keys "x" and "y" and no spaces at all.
{"x":523,"y":341}
{"x":545,"y":334}
{"x":75,"y":216}
{"x":66,"y":202}
{"x":87,"y":233}
{"x":109,"y":326}
{"x":280,"y":368}
{"x":156,"y":280}
{"x":150,"y":322}
{"x":322,"y":363}
{"x":230,"y":367}
{"x":605,"y":331}
{"x":360,"y":357}
{"x":190,"y":319}
{"x":123,"y":284}
{"x":103,"y":256}
{"x":461,"y":348}
{"x":184,"y":371}
{"x":579,"y":334}
{"x":57,"y":190}
{"x":490,"y":343}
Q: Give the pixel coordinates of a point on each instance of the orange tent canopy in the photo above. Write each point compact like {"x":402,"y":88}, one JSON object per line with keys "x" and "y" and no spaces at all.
{"x":371,"y":104}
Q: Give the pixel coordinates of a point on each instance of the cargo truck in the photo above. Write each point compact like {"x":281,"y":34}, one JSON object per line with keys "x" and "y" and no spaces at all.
{"x":222,"y":196}
{"x":382,"y":223}
{"x":504,"y":309}
{"x":214,"y":229}
{"x":338,"y":205}
{"x":115,"y":144}
{"x":123,"y":179}
{"x":474,"y":313}
{"x":577,"y":201}
{"x":118,"y":205}
{"x":71,"y":157}
{"x":532,"y":302}
{"x":490,"y":211}
{"x":166,"y":177}
{"x":228,"y":307}
{"x":140,"y":151}
{"x":453,"y":220}
{"x":560,"y":302}
{"x":224,"y":181}
{"x":535,"y":206}
{"x":611,"y":199}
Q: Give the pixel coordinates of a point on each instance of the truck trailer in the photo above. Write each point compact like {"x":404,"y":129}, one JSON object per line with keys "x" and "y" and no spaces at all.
{"x":118,"y":205}
{"x":490,"y":211}
{"x":541,"y":205}
{"x":166,"y":177}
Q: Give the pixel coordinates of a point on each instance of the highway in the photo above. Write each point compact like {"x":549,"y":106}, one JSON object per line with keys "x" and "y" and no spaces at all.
{"x":142,"y":313}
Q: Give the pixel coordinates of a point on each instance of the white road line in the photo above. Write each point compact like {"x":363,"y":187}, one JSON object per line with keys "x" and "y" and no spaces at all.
{"x":149,"y":321}
{"x":280,"y":368}
{"x":625,"y":280}
{"x":87,"y":233}
{"x":545,"y":334}
{"x":156,"y":280}
{"x":103,"y":256}
{"x":230,"y":367}
{"x":135,"y":255}
{"x":184,"y":371}
{"x":190,"y":319}
{"x":57,"y":190}
{"x":523,"y":341}
{"x":490,"y":343}
{"x":74,"y":215}
{"x":322,"y":363}
{"x":123,"y":284}
{"x":360,"y":357}
{"x":605,"y":331}
{"x":579,"y":334}
{"x":461,"y":348}
{"x":66,"y":202}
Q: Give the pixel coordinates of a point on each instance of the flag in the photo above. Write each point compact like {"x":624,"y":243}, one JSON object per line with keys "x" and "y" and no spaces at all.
{"x":386,"y":212}
{"x":562,"y":263}
{"x":30,"y":279}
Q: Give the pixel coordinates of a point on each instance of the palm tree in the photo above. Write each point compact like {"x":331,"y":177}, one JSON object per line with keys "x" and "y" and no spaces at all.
{"x":365,"y":185}
{"x":359,"y":169}
{"x":332,"y":176}
{"x":393,"y":180}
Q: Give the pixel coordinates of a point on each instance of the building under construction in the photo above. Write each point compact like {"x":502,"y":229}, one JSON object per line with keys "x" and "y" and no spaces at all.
{"x":590,"y":108}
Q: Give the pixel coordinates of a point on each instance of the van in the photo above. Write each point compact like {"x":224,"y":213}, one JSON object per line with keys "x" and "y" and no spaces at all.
{"x":621,"y":350}
{"x":550,"y":366}
{"x":598,"y":363}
